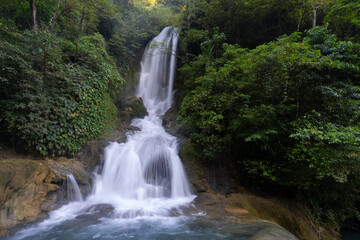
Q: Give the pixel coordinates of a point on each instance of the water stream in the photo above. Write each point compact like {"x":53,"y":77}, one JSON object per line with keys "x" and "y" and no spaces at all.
{"x":142,"y":191}
{"x":73,"y":190}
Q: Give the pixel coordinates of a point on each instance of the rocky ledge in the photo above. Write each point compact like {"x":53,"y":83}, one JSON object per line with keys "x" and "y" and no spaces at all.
{"x":30,"y":189}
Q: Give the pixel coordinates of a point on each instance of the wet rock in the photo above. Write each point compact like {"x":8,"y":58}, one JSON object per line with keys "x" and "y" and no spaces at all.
{"x":94,"y":213}
{"x":201,"y":185}
{"x":64,"y":166}
{"x":30,"y":189}
{"x":132,"y":107}
{"x":91,"y":155}
{"x":24,"y":190}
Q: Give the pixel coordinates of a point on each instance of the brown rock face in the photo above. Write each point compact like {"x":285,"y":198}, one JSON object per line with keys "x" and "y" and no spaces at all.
{"x":29,"y":189}
{"x":26,"y":187}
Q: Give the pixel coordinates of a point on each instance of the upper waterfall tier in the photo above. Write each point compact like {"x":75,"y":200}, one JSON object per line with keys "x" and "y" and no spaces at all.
{"x":158,"y":71}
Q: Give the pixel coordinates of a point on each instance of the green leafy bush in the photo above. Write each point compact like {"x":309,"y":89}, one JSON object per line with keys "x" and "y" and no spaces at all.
{"x":287,"y":112}
{"x":55,"y":98}
{"x":344,"y":19}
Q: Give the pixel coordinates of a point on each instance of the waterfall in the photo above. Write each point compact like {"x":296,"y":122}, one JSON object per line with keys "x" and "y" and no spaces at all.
{"x":157,"y":72}
{"x":73,"y":190}
{"x":145,"y":173}
{"x":143,"y":177}
{"x":143,"y":187}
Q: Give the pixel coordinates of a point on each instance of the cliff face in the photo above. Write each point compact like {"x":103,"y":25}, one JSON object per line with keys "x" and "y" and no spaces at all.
{"x":29,"y":189}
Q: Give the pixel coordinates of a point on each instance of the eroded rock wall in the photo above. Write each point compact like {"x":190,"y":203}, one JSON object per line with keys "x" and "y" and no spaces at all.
{"x":30,"y":189}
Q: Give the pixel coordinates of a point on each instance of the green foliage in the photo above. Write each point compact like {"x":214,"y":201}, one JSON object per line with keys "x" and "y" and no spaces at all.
{"x":344,"y":19}
{"x":55,"y":98}
{"x":131,"y":34}
{"x":286,"y":111}
{"x":253,"y":22}
{"x":59,"y":81}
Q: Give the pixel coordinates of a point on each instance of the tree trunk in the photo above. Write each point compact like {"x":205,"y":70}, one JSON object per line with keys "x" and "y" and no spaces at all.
{"x":35,"y":25}
{"x":300,"y":21}
{"x":189,"y":21}
{"x":314,"y":17}
{"x":54,"y":19}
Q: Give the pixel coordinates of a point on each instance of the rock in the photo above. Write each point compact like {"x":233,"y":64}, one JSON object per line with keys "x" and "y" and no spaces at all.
{"x":201,"y":185}
{"x":196,"y":174}
{"x":25,"y":190}
{"x":133,"y":107}
{"x":30,"y":189}
{"x":92,"y":154}
{"x":63,"y":166}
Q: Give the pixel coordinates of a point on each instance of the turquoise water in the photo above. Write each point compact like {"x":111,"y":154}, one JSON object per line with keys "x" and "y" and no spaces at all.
{"x":350,"y":235}
{"x":159,"y":228}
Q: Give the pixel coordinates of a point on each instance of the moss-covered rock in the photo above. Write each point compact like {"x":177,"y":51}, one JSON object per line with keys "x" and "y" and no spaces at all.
{"x":132,"y":107}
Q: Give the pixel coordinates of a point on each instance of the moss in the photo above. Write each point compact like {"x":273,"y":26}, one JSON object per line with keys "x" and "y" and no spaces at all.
{"x":135,"y":107}
{"x":138,"y":109}
{"x":111,"y":114}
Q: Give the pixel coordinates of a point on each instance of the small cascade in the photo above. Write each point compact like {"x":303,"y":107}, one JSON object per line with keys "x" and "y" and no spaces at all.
{"x":73,"y":190}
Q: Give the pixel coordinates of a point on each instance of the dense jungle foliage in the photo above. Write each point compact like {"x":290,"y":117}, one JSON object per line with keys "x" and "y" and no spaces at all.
{"x":283,"y":108}
{"x":63,"y":71}
{"x":271,"y":85}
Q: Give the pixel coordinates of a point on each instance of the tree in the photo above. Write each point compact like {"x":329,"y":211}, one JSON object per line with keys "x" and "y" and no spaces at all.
{"x":344,"y":20}
{"x":286,"y":112}
{"x":34,"y":21}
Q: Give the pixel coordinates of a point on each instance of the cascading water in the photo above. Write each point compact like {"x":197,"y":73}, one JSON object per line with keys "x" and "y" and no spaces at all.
{"x":143,"y":186}
{"x":73,"y":190}
{"x":145,"y":175}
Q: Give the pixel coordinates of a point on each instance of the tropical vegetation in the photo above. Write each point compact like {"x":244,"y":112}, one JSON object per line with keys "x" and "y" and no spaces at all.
{"x":273,"y":86}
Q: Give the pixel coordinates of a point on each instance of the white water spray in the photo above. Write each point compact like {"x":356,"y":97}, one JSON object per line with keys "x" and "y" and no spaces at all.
{"x":145,"y":175}
{"x":73,"y":190}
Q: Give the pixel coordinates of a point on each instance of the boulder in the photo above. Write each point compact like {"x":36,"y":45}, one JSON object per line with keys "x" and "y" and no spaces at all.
{"x":30,"y":189}
{"x":133,"y":107}
{"x":26,"y":188}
